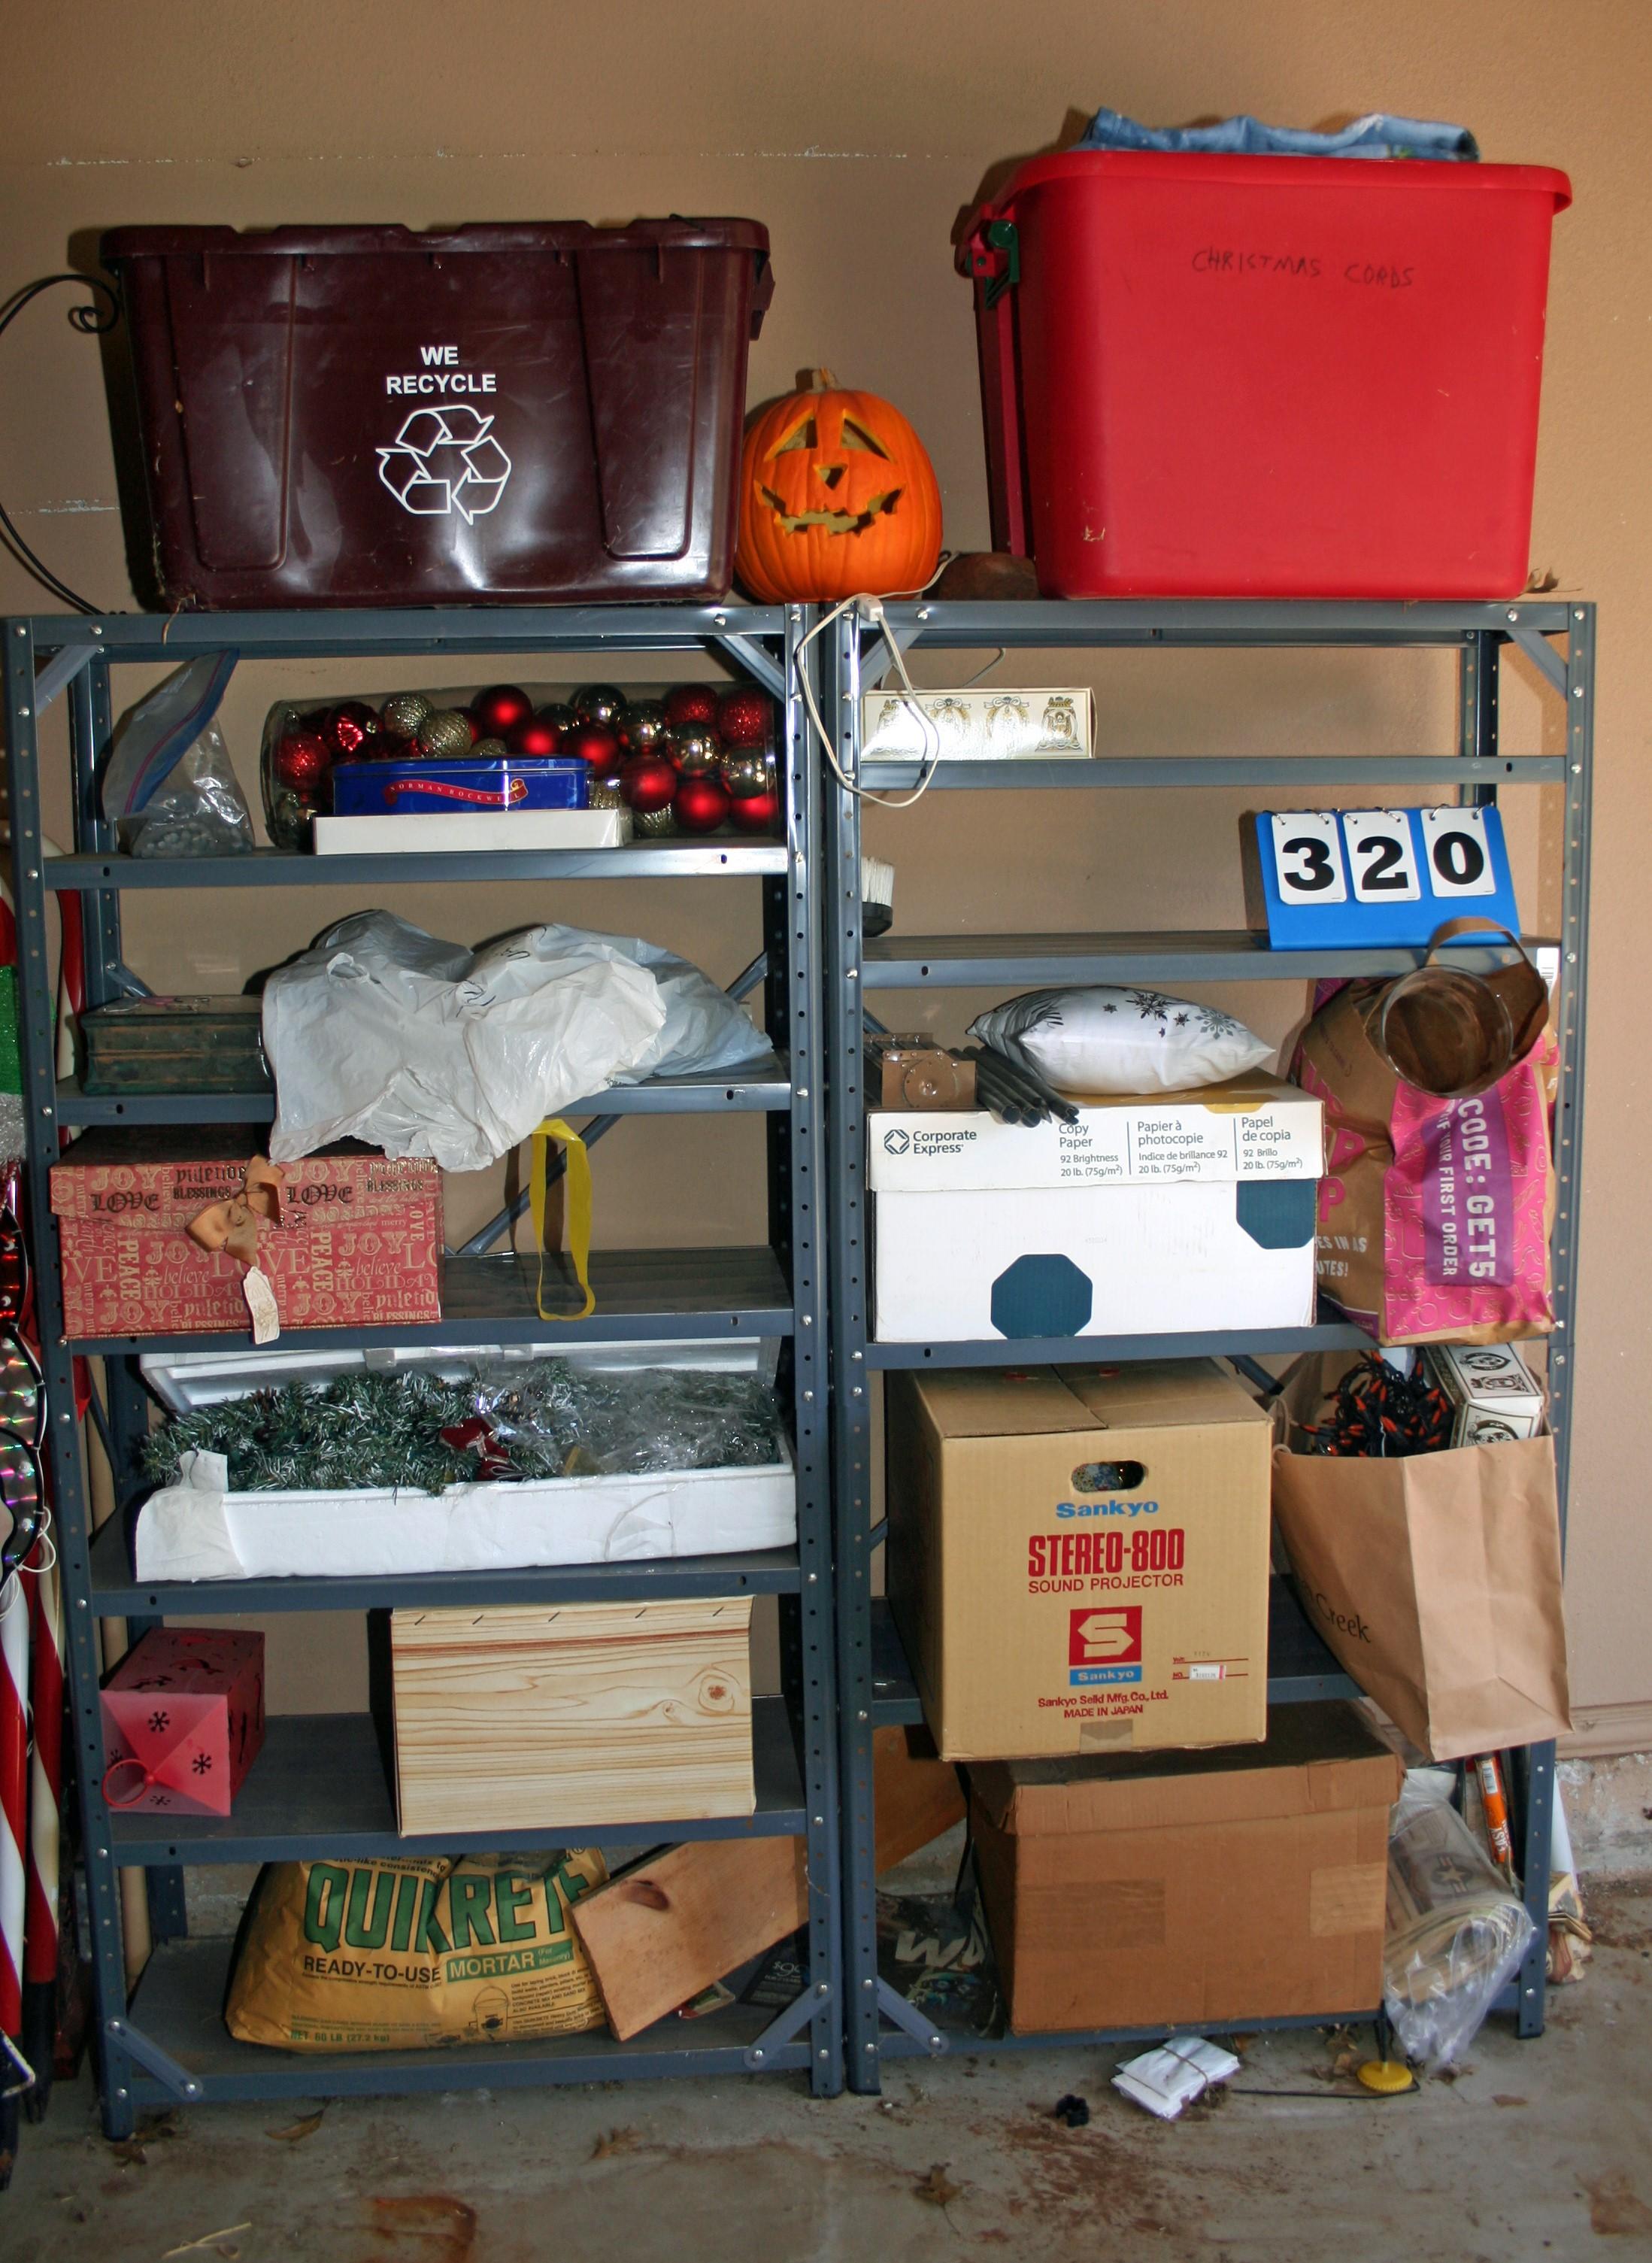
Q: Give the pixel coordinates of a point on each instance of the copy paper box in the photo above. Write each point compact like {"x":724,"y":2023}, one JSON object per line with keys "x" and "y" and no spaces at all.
{"x":182,"y":1720}
{"x":358,"y":1242}
{"x":1250,"y":1128}
{"x":1092,"y":1260}
{"x":1165,"y":1215}
{"x":1179,"y":1889}
{"x":1078,"y":1557}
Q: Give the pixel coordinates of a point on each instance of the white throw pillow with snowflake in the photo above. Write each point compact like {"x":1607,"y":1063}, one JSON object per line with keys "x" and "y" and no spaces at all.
{"x":1104,"y":1040}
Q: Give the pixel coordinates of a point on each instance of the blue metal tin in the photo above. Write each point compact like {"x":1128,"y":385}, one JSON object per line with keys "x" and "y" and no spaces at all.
{"x":518,"y":781}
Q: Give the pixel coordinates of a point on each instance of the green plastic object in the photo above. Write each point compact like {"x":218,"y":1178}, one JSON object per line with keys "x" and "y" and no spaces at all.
{"x":10,"y":1059}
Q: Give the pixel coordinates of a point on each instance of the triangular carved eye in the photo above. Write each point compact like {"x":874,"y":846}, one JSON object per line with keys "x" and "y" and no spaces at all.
{"x":856,"y":436}
{"x":801,"y":436}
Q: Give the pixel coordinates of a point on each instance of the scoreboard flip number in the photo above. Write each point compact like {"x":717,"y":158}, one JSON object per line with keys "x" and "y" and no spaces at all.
{"x":1380,"y":876}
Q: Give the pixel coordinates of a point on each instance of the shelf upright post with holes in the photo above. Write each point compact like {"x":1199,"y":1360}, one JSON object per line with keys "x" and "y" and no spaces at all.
{"x":1557,"y":640}
{"x":310,"y":1795}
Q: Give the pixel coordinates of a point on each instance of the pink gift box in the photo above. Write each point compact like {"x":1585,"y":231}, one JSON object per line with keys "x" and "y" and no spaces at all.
{"x":183,"y":1721}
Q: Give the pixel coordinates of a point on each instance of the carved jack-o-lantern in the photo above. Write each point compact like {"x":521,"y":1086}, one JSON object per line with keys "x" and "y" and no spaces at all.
{"x":837,"y":496}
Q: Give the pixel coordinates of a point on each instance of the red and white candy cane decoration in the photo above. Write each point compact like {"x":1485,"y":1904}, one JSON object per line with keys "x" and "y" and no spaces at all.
{"x":14,"y":1798}
{"x":46,"y":1791}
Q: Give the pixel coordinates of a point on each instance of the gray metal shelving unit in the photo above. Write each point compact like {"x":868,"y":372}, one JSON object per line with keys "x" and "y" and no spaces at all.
{"x":320,"y":1786}
{"x":1558,"y":640}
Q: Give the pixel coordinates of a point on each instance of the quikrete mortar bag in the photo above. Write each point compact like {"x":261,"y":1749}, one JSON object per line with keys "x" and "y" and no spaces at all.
{"x":398,"y":1956}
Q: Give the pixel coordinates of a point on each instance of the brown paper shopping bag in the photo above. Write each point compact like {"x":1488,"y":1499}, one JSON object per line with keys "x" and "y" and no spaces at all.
{"x":1436,"y":1580}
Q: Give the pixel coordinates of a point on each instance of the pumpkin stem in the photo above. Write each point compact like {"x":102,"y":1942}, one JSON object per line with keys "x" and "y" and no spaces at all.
{"x":817,"y":380}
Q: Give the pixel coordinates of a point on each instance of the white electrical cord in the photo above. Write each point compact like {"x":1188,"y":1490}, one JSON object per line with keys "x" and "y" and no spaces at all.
{"x":871,"y":609}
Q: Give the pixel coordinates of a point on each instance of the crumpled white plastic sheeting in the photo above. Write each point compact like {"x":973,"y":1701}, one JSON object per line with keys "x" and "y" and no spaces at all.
{"x":383,"y":1033}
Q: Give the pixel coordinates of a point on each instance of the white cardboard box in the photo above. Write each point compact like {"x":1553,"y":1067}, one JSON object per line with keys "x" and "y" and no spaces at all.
{"x":1173,"y":1214}
{"x":198,"y":1529}
{"x":1495,"y":1393}
{"x":1116,"y":1261}
{"x":417,"y":832}
{"x":1250,"y":1127}
{"x":993,"y":724}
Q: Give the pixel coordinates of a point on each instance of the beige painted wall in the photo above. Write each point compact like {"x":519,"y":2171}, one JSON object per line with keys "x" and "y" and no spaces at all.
{"x":856,"y":134}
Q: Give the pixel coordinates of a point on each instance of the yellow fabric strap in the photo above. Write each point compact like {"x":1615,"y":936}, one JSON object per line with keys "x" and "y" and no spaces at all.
{"x":579,"y":1178}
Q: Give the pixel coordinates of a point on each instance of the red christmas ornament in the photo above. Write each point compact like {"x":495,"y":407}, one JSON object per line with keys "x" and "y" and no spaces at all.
{"x":535,"y":736}
{"x":391,"y":747}
{"x":700,"y":804}
{"x":648,"y":783}
{"x":691,"y":703}
{"x":500,"y":709}
{"x":595,"y":744}
{"x":756,"y":813}
{"x":348,"y":728}
{"x":477,"y":731}
{"x":745,"y":718}
{"x":302,"y":761}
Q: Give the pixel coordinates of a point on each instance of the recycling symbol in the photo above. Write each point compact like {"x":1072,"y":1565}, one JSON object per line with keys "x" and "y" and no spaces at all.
{"x":445,"y":460}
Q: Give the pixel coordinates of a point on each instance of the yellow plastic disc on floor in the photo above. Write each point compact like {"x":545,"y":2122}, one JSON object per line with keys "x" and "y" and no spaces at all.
{"x":1388,"y":2076}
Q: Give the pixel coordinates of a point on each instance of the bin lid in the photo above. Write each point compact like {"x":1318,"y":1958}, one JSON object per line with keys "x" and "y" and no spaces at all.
{"x":380,"y":242}
{"x":1210,"y":169}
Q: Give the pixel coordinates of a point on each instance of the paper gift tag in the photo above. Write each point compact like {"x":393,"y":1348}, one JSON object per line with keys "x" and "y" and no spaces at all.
{"x":261,"y":1303}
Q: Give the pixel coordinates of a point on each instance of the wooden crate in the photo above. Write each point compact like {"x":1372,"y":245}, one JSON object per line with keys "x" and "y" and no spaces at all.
{"x":528,"y":1718}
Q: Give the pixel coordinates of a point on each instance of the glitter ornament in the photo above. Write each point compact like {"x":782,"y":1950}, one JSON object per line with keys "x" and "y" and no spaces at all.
{"x":691,"y":703}
{"x":600,"y":703}
{"x":755,"y":812}
{"x":645,"y":726}
{"x":652,"y":824}
{"x":445,"y":733}
{"x":595,"y":744}
{"x":693,"y":748}
{"x":403,"y":713}
{"x":604,"y":794}
{"x":348,"y":730}
{"x":500,"y":709}
{"x":535,"y":737}
{"x":700,"y":805}
{"x":745,"y":718}
{"x":489,"y":750}
{"x":302,"y":761}
{"x":648,"y":782}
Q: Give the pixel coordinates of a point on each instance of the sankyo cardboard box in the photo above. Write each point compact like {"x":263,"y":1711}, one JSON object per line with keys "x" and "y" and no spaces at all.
{"x":1078,"y":1557}
{"x":1176,"y":1888}
{"x":1150,"y":1215}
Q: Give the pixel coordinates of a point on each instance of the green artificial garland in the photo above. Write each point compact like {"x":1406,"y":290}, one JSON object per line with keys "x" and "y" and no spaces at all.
{"x":419,"y":1431}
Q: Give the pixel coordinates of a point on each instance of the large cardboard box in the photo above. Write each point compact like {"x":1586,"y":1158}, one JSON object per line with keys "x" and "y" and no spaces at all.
{"x":1176,"y":1888}
{"x":1165,"y":1214}
{"x":1078,"y":1557}
{"x":357,"y":1244}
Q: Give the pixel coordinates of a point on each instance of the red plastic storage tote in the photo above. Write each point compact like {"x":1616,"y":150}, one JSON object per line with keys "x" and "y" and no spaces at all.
{"x":537,"y":412}
{"x":1288,"y":377}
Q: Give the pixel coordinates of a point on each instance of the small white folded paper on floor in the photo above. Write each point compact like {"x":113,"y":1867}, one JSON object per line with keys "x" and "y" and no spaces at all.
{"x":1173,"y":2076}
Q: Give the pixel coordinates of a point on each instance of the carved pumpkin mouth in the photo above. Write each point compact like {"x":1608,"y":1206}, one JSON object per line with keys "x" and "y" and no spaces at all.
{"x":835,"y":521}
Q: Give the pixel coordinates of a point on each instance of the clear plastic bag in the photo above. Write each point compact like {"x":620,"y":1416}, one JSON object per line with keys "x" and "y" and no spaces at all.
{"x":199,"y":812}
{"x":569,"y":1422}
{"x":1456,"y":1929}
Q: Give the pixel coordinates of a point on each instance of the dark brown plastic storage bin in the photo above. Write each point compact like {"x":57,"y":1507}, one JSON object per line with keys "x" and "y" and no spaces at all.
{"x":538,"y":412}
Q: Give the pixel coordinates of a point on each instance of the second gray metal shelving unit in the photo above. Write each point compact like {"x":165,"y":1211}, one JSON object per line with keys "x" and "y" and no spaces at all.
{"x":875,"y":1686}
{"x":320,"y":1786}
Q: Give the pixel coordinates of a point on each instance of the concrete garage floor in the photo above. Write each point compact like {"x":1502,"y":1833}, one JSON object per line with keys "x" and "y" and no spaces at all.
{"x":1536,"y":2149}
